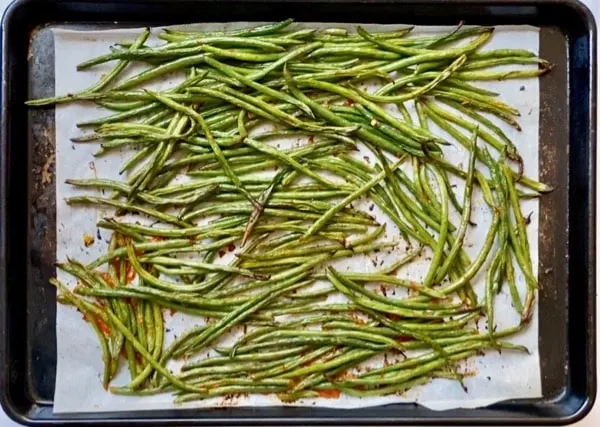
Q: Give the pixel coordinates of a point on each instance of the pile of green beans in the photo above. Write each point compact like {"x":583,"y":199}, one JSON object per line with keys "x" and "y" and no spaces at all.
{"x":242,"y":91}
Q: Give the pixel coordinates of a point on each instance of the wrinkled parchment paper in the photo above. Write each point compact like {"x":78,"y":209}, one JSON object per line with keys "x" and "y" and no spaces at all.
{"x":78,"y":383}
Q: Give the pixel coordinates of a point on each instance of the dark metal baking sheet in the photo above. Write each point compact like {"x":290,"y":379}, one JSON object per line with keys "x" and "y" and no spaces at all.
{"x":567,"y":219}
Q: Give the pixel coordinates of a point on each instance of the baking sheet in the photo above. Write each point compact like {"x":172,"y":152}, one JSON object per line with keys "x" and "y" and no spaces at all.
{"x":79,"y":364}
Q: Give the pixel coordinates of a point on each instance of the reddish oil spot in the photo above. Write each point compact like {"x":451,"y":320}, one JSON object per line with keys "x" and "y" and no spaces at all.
{"x":404,"y":339}
{"x":157,"y":238}
{"x":311,"y":139}
{"x":348,"y":102}
{"x":221,"y":254}
{"x":329,"y":393}
{"x":394,"y":316}
{"x":172,"y":311}
{"x":231,"y":247}
{"x":138,"y":357}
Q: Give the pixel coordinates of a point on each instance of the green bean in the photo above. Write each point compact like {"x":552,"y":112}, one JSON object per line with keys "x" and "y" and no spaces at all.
{"x":199,"y":374}
{"x":204,"y":266}
{"x":229,"y":390}
{"x":259,"y":30}
{"x":481,"y":119}
{"x":93,"y":322}
{"x":466,"y":215}
{"x":257,"y":357}
{"x":368,"y":301}
{"x":262,"y":201}
{"x":458,"y":63}
{"x":127,"y":207}
{"x":494,"y":62}
{"x":353,"y":38}
{"x":104,"y":81}
{"x":500,"y":75}
{"x":452,"y":82}
{"x":494,"y":108}
{"x":510,"y":277}
{"x":514,"y":200}
{"x":442,"y":237}
{"x":438,"y":55}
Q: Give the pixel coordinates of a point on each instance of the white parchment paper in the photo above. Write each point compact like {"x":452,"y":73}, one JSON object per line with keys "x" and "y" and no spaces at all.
{"x":78,"y":385}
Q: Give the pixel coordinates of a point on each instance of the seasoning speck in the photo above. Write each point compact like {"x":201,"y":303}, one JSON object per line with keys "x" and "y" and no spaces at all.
{"x":88,"y":240}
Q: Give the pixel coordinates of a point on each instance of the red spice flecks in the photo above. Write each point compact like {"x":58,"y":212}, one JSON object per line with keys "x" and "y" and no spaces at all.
{"x":107,"y":279}
{"x":358,"y":319}
{"x":404,"y":339}
{"x":138,"y":357}
{"x":129,"y":272}
{"x":116,"y":264}
{"x":103,"y":326}
{"x":221,"y":254}
{"x":392,"y":316}
{"x":231,"y":247}
{"x":345,"y":375}
{"x":329,"y":393}
{"x":157,"y":238}
{"x":383,"y":290}
{"x":172,"y":311}
{"x":349,"y":102}
{"x":311,"y":139}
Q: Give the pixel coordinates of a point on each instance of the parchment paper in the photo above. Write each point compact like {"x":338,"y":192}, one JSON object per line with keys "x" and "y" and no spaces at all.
{"x":78,"y":384}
